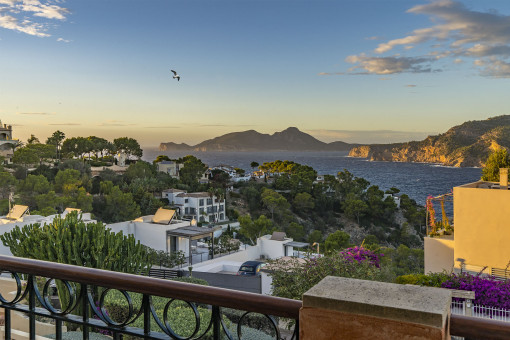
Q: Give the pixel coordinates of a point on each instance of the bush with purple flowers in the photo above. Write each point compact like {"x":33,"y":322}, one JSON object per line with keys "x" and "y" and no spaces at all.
{"x":488,"y":290}
{"x":360,"y":254}
{"x":291,"y":278}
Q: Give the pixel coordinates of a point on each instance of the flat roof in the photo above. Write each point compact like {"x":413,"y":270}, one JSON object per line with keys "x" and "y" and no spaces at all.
{"x":297,"y":244}
{"x":192,"y":232}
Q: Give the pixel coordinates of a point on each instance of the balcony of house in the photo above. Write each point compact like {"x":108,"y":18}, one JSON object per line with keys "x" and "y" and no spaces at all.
{"x":439,"y":240}
{"x":83,"y":302}
{"x":476,"y":237}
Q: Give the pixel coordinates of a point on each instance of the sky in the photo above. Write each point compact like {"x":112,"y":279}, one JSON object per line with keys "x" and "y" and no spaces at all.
{"x":364,"y":71}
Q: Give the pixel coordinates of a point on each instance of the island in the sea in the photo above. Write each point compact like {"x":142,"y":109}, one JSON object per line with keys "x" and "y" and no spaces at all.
{"x":290,"y":139}
{"x":465,"y":145}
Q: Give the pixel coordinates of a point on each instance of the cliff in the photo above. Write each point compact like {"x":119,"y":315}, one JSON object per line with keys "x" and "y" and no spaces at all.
{"x":465,"y":145}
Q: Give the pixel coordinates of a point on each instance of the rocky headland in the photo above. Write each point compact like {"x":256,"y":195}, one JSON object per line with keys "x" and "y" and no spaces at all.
{"x":465,"y":145}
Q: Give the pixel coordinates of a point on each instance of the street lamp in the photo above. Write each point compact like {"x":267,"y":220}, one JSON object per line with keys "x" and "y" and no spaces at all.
{"x":193,"y":223}
{"x":316,"y":244}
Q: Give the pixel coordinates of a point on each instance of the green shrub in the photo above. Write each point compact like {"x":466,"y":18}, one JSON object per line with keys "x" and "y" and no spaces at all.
{"x":430,"y":279}
{"x":180,"y":315}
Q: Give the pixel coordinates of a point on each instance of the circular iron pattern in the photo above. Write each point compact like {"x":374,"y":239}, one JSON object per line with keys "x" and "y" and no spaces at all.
{"x":102,"y":313}
{"x":19,"y":288}
{"x":45,"y":297}
{"x":167,"y":328}
{"x":270,"y":318}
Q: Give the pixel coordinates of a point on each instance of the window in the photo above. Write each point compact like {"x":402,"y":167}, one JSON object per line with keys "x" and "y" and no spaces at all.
{"x":221,"y":216}
{"x":209,"y":201}
{"x":221,"y":208}
{"x":201,"y":210}
{"x":186,"y":200}
{"x":201,"y":202}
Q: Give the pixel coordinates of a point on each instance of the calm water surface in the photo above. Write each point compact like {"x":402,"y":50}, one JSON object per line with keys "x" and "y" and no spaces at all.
{"x":418,"y":180}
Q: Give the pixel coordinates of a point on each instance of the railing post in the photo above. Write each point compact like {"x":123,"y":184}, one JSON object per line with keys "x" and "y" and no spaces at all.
{"x":85,"y":307}
{"x":7,"y":324}
{"x":31,"y":306}
{"x":216,"y":320}
{"x":468,"y":304}
{"x":146,"y":314}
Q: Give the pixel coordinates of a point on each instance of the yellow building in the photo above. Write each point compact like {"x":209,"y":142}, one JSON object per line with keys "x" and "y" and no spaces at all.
{"x":481,"y":239}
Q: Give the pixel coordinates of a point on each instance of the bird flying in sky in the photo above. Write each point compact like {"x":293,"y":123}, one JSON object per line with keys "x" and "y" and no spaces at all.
{"x":176,"y":76}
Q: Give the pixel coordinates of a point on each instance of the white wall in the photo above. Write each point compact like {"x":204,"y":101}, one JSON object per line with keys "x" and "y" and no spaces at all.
{"x":251,"y":253}
{"x":271,"y":249}
{"x":151,"y":234}
{"x":218,"y":266}
{"x":267,"y":283}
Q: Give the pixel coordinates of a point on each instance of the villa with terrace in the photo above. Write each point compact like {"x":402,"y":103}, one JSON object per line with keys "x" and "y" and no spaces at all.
{"x":201,"y":206}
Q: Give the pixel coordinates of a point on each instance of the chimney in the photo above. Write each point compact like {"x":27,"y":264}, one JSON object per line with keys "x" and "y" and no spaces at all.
{"x":503,"y":178}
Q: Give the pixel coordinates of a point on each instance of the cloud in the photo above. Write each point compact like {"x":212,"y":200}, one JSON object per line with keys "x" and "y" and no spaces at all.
{"x":367,"y":136}
{"x":64,"y":124}
{"x":373,"y":38}
{"x":35,"y":113}
{"x":31,"y":17}
{"x":494,"y":68}
{"x":456,"y":31}
{"x":411,"y":85}
{"x":161,"y":127}
{"x":389,"y":65}
{"x":331,"y":74}
{"x":115,"y":123}
{"x":221,"y":125}
{"x":63,"y":40}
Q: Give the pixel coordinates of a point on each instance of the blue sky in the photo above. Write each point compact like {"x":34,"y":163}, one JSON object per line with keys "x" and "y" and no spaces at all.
{"x":358,"y":71}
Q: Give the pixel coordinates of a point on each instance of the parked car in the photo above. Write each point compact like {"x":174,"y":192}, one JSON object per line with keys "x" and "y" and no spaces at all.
{"x":251,"y":268}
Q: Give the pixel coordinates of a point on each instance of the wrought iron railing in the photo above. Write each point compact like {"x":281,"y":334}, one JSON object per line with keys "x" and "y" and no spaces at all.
{"x":87,"y":292}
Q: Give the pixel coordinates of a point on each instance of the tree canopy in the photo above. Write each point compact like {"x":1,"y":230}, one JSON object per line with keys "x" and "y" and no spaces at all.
{"x":497,"y":159}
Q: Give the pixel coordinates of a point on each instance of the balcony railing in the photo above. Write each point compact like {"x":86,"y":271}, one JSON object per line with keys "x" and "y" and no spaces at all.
{"x":87,"y":288}
{"x":82,"y":283}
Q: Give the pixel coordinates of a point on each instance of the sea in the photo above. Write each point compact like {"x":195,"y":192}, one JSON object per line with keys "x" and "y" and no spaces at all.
{"x":417,"y":180}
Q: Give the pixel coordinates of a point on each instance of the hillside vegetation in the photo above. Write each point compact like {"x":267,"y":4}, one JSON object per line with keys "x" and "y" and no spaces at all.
{"x":465,"y":145}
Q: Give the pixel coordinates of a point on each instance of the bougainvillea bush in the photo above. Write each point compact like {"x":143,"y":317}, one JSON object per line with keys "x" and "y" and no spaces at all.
{"x":360,"y":254}
{"x":292,"y":278}
{"x":488,"y":291}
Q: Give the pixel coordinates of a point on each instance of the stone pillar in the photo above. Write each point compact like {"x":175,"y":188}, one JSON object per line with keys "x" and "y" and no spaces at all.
{"x":342,"y":308}
{"x":503,"y":178}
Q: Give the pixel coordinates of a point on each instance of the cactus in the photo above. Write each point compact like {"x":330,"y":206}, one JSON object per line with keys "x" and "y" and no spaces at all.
{"x":70,"y":240}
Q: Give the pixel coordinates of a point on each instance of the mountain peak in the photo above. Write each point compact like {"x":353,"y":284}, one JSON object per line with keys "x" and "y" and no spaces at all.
{"x":291,"y":129}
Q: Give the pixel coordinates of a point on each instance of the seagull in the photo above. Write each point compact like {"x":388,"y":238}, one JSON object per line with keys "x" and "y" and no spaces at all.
{"x":176,"y":76}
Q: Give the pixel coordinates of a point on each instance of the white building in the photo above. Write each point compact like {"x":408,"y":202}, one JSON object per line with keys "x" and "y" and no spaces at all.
{"x":19,"y":217}
{"x":197,"y":205}
{"x":162,"y":232}
{"x":7,"y":144}
{"x":170,"y":167}
{"x":268,"y":247}
{"x":396,"y":199}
